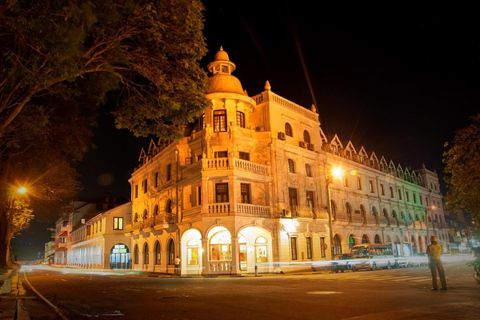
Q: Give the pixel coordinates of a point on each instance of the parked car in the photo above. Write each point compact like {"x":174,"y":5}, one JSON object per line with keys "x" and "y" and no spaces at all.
{"x":347,"y":261}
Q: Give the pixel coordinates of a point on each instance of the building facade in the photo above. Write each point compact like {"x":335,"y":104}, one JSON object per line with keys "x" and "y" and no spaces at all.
{"x":250,"y":187}
{"x":90,"y":234}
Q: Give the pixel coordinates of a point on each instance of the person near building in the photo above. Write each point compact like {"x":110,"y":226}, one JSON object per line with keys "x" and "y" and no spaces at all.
{"x":177,"y":266}
{"x":434,"y":253}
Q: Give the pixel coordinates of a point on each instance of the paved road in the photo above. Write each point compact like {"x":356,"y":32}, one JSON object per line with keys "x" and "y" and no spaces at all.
{"x":383,"y":294}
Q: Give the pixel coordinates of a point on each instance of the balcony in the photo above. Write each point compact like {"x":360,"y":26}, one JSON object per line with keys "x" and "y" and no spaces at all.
{"x":234,"y":163}
{"x":251,"y":209}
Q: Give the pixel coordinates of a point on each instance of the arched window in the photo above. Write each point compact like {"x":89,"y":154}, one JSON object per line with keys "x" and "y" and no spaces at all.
{"x":374,"y":211}
{"x":157,"y":252}
{"x":288,"y":129}
{"x":221,"y":246}
{"x":155,"y":210}
{"x":168,"y":206}
{"x":333,"y":207}
{"x":291,"y":166}
{"x":348,"y":208}
{"x":135,"y":254}
{"x":337,"y":245}
{"x":145,"y":214}
{"x":308,"y":170}
{"x":135,"y":219}
{"x":385,"y":213}
{"x":306,"y":136}
{"x":146,"y":256}
{"x":377,"y":239}
{"x":171,"y":251}
{"x":363,"y":213}
{"x":351,"y":241}
{"x":365,"y":239}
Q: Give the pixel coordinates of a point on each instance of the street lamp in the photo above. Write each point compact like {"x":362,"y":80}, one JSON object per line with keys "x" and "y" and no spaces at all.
{"x":335,"y":173}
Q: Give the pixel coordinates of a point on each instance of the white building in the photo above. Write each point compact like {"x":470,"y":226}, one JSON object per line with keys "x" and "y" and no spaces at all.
{"x":100,"y":242}
{"x":250,"y":185}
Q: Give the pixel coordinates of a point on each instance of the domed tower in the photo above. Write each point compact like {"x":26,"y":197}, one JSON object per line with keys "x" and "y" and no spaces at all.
{"x":222,"y":80}
{"x":231,"y":107}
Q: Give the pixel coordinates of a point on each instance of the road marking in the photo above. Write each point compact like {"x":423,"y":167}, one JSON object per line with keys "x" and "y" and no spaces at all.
{"x":323,"y":292}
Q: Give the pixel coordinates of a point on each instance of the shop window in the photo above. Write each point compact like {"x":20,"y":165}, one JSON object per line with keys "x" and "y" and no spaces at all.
{"x":192,"y":252}
{"x":221,"y":246}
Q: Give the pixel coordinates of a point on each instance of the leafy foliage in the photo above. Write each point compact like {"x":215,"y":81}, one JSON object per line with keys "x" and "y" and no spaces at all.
{"x":60,"y":60}
{"x":462,"y":169}
{"x":149,"y":48}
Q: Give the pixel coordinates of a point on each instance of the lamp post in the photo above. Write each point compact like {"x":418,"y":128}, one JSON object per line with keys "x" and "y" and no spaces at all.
{"x":335,"y":173}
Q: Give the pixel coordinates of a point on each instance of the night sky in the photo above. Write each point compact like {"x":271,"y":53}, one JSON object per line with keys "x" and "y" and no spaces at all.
{"x":397,"y":80}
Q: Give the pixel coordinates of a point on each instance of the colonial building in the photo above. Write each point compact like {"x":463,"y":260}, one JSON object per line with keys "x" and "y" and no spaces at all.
{"x":251,"y":186}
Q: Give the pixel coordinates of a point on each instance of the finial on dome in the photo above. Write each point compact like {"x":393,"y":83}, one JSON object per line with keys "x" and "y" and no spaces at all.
{"x":268,"y":87}
{"x":313,"y":108}
{"x":245,"y":91}
{"x":221,"y":55}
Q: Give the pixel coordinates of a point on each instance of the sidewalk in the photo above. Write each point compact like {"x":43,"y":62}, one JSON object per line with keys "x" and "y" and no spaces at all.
{"x":11,"y":295}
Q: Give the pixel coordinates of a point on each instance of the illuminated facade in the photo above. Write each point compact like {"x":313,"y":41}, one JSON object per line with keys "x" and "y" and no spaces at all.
{"x":99,"y":242}
{"x":250,"y":186}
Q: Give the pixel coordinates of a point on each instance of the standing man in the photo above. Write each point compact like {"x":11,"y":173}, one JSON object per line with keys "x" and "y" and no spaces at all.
{"x":434,"y":253}
{"x":177,"y":266}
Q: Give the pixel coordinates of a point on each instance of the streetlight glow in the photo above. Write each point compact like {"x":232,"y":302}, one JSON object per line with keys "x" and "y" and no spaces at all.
{"x":337,"y":172}
{"x":22,"y":190}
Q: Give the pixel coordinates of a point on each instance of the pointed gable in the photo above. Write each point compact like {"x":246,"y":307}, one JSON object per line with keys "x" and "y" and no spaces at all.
{"x":336,"y":144}
{"x":391,"y":168}
{"x":323,"y":136}
{"x":143,"y":157}
{"x":152,"y":148}
{"x":349,"y":150}
{"x":399,"y":172}
{"x":374,"y":163}
{"x":363,"y":156}
{"x":383,"y":164}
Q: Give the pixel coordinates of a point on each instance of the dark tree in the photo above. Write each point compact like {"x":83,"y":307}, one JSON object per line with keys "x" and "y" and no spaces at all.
{"x":60,"y":59}
{"x":462,"y":169}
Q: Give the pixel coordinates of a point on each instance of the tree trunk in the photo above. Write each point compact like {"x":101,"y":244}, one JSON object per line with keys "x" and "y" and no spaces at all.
{"x":5,"y":237}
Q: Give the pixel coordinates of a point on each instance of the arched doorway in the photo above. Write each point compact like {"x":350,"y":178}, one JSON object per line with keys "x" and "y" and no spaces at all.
{"x":192,"y":252}
{"x":377,"y":239}
{"x":219,"y":251}
{"x":120,"y":257}
{"x":337,"y":244}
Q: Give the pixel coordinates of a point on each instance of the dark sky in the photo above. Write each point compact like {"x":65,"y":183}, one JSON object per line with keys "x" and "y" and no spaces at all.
{"x":398,"y":80}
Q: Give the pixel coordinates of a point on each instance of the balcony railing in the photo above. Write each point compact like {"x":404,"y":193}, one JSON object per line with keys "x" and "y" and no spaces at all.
{"x":234,"y":163}
{"x":245,"y":208}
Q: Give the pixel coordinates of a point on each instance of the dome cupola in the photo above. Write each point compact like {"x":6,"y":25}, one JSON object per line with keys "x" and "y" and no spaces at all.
{"x":221,"y":79}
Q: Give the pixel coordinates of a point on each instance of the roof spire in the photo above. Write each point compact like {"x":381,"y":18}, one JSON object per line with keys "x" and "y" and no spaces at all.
{"x":268,"y":87}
